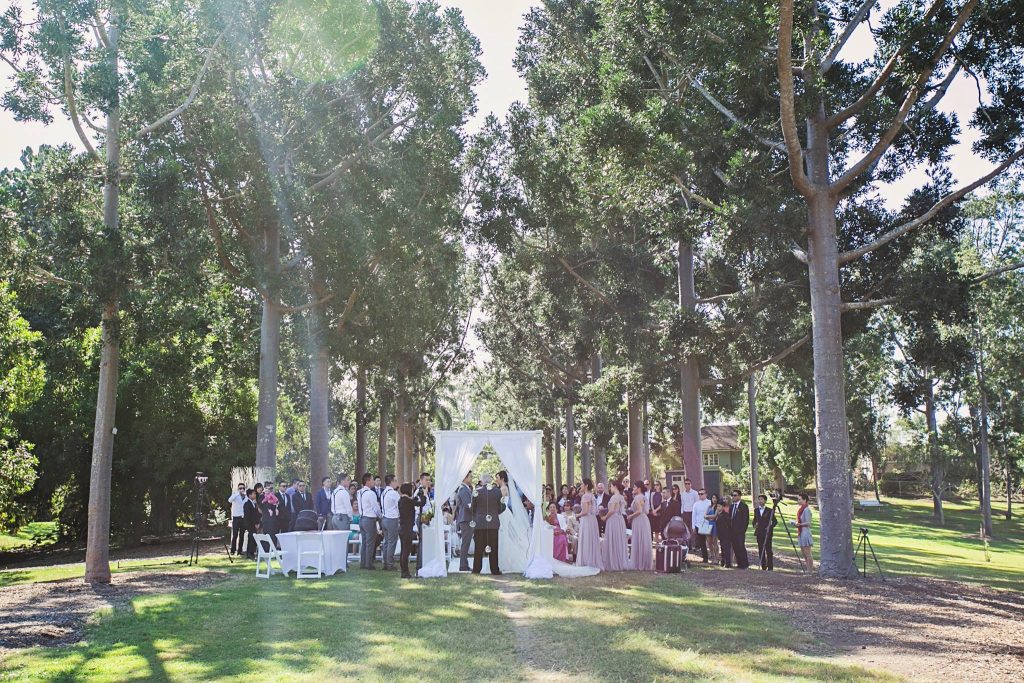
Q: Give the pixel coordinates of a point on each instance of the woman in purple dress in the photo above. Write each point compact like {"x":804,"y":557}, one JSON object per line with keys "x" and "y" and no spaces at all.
{"x":614,"y":552}
{"x":588,"y":543}
{"x":641,"y":558}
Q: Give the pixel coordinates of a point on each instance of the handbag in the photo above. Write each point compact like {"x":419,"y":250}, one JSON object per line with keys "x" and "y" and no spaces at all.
{"x":704,"y":528}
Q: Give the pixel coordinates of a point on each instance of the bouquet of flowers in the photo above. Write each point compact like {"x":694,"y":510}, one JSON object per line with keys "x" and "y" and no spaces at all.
{"x":426,"y":516}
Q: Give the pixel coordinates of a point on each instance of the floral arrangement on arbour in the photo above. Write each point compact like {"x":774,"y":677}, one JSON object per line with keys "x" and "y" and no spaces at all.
{"x":426,"y":516}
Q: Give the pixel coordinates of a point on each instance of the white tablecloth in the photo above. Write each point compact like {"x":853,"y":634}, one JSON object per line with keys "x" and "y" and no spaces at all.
{"x":335,"y":545}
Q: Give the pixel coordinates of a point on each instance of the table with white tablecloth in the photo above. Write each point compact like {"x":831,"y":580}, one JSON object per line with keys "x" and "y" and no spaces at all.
{"x":334,"y":544}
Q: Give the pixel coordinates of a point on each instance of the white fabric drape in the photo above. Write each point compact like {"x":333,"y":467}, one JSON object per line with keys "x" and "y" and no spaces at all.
{"x":520,"y":453}
{"x":455,"y":457}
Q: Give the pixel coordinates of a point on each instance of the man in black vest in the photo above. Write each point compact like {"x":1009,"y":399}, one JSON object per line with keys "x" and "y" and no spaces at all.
{"x":301,"y":500}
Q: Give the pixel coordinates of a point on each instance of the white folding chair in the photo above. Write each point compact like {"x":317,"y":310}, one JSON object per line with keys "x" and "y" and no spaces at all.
{"x":355,"y":544}
{"x":448,"y":534}
{"x":267,"y":552}
{"x":309,"y":545}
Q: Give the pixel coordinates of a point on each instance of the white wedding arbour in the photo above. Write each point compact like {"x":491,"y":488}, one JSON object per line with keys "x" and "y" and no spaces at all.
{"x":520,"y":453}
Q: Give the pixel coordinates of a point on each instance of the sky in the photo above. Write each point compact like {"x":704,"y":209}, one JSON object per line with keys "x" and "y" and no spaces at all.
{"x":496,"y":23}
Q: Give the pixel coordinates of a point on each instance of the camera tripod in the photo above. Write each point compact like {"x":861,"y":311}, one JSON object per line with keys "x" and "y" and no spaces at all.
{"x":199,"y":519}
{"x":863,"y":546}
{"x":771,"y":534}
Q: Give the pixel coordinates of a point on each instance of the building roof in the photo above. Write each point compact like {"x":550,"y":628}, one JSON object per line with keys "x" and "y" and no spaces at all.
{"x":723,"y":437}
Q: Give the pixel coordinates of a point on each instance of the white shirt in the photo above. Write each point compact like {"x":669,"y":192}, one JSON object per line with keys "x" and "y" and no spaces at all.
{"x":700,"y":509}
{"x":368,"y":505}
{"x":237,"y":501}
{"x":688,"y":499}
{"x":341,"y":502}
{"x":390,"y":500}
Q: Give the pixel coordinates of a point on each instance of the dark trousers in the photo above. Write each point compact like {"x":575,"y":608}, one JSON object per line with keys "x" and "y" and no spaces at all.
{"x":700,"y":542}
{"x":406,"y":538}
{"x":250,"y":547}
{"x":739,"y":549}
{"x":465,"y":537}
{"x":726,"y":544}
{"x":764,"y":550}
{"x":237,"y":534}
{"x":481,"y":539}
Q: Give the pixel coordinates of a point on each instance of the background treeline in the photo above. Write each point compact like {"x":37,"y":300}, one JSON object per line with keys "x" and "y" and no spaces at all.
{"x":280,"y":225}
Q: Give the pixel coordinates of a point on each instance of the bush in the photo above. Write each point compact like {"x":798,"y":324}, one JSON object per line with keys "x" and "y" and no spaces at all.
{"x":17,"y":475}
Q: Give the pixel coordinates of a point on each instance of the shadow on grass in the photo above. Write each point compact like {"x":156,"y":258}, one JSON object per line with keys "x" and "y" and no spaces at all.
{"x":643,"y":627}
{"x":369,"y":626}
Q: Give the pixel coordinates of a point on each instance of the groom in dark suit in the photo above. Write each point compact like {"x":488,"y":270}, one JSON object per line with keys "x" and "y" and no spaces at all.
{"x":485,"y":508}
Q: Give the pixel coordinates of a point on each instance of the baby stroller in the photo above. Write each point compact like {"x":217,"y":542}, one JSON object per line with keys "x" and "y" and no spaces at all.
{"x":672,"y":550}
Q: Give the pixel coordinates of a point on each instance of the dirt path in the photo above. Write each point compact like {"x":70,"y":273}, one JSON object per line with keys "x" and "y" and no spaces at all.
{"x":525,"y":635}
{"x":920,"y":629}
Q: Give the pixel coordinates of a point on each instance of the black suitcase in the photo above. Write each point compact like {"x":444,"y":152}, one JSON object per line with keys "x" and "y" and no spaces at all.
{"x":669,"y":557}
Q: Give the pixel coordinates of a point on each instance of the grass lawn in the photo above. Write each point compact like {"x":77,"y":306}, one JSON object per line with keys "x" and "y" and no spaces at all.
{"x":36,"y":533}
{"x":907,"y":543}
{"x":375,"y":626}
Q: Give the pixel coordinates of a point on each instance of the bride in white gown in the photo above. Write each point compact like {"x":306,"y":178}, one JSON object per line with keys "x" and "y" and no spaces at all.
{"x":514,"y":532}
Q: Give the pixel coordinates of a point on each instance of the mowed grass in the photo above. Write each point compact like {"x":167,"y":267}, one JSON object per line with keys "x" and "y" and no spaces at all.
{"x":648,"y":627}
{"x":35,"y":533}
{"x":907,"y":543}
{"x":367,"y":626}
{"x":59,"y":572}
{"x":374,"y":626}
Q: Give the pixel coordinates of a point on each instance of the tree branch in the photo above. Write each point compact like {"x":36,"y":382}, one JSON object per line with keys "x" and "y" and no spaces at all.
{"x":881,"y":78}
{"x":69,"y":99}
{"x":586,"y":283}
{"x":787,"y":101}
{"x":870,"y":303}
{"x":855,"y":21}
{"x":883,"y":143}
{"x":170,"y":116}
{"x":997,"y":272}
{"x":710,"y":382}
{"x":854,"y":254}
{"x":349,"y":161}
{"x":771,"y":144}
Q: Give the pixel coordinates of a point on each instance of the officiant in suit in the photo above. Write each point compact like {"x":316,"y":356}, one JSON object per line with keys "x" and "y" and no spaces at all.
{"x":486,"y":507}
{"x":463,"y":516}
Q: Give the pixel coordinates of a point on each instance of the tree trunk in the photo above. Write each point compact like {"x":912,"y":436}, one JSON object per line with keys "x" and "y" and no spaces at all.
{"x":600,"y":459}
{"x":361,"y":445}
{"x":635,"y":431}
{"x":411,"y":453}
{"x":382,"y":440}
{"x":319,"y":399}
{"x":934,"y":454}
{"x":97,"y":549}
{"x":780,"y":479}
{"x":755,"y":476}
{"x":983,"y":452}
{"x":570,"y":445}
{"x":586,"y":466}
{"x":558,"y":455}
{"x":399,"y":436}
{"x":831,"y":428}
{"x":270,"y":351}
{"x":648,"y":472}
{"x":1009,"y":484}
{"x":689,"y":373}
{"x":549,"y":466}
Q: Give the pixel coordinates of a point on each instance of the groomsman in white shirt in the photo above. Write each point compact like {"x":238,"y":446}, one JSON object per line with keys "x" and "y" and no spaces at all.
{"x":701,"y":508}
{"x":687,"y":499}
{"x":389,"y":504}
{"x":369,"y":515}
{"x":341,"y":505}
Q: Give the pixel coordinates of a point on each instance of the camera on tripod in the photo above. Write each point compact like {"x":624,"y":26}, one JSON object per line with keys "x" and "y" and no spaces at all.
{"x":864,"y":531}
{"x":775,"y":495}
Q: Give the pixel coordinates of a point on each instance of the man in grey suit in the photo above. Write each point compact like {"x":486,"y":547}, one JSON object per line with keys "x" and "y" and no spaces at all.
{"x":487,"y":506}
{"x":464,"y":503}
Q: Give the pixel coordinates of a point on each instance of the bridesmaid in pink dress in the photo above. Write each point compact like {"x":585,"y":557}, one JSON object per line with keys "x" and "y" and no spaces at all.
{"x":614,"y":553}
{"x":560,"y":549}
{"x":588,"y":545}
{"x":641,"y":558}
